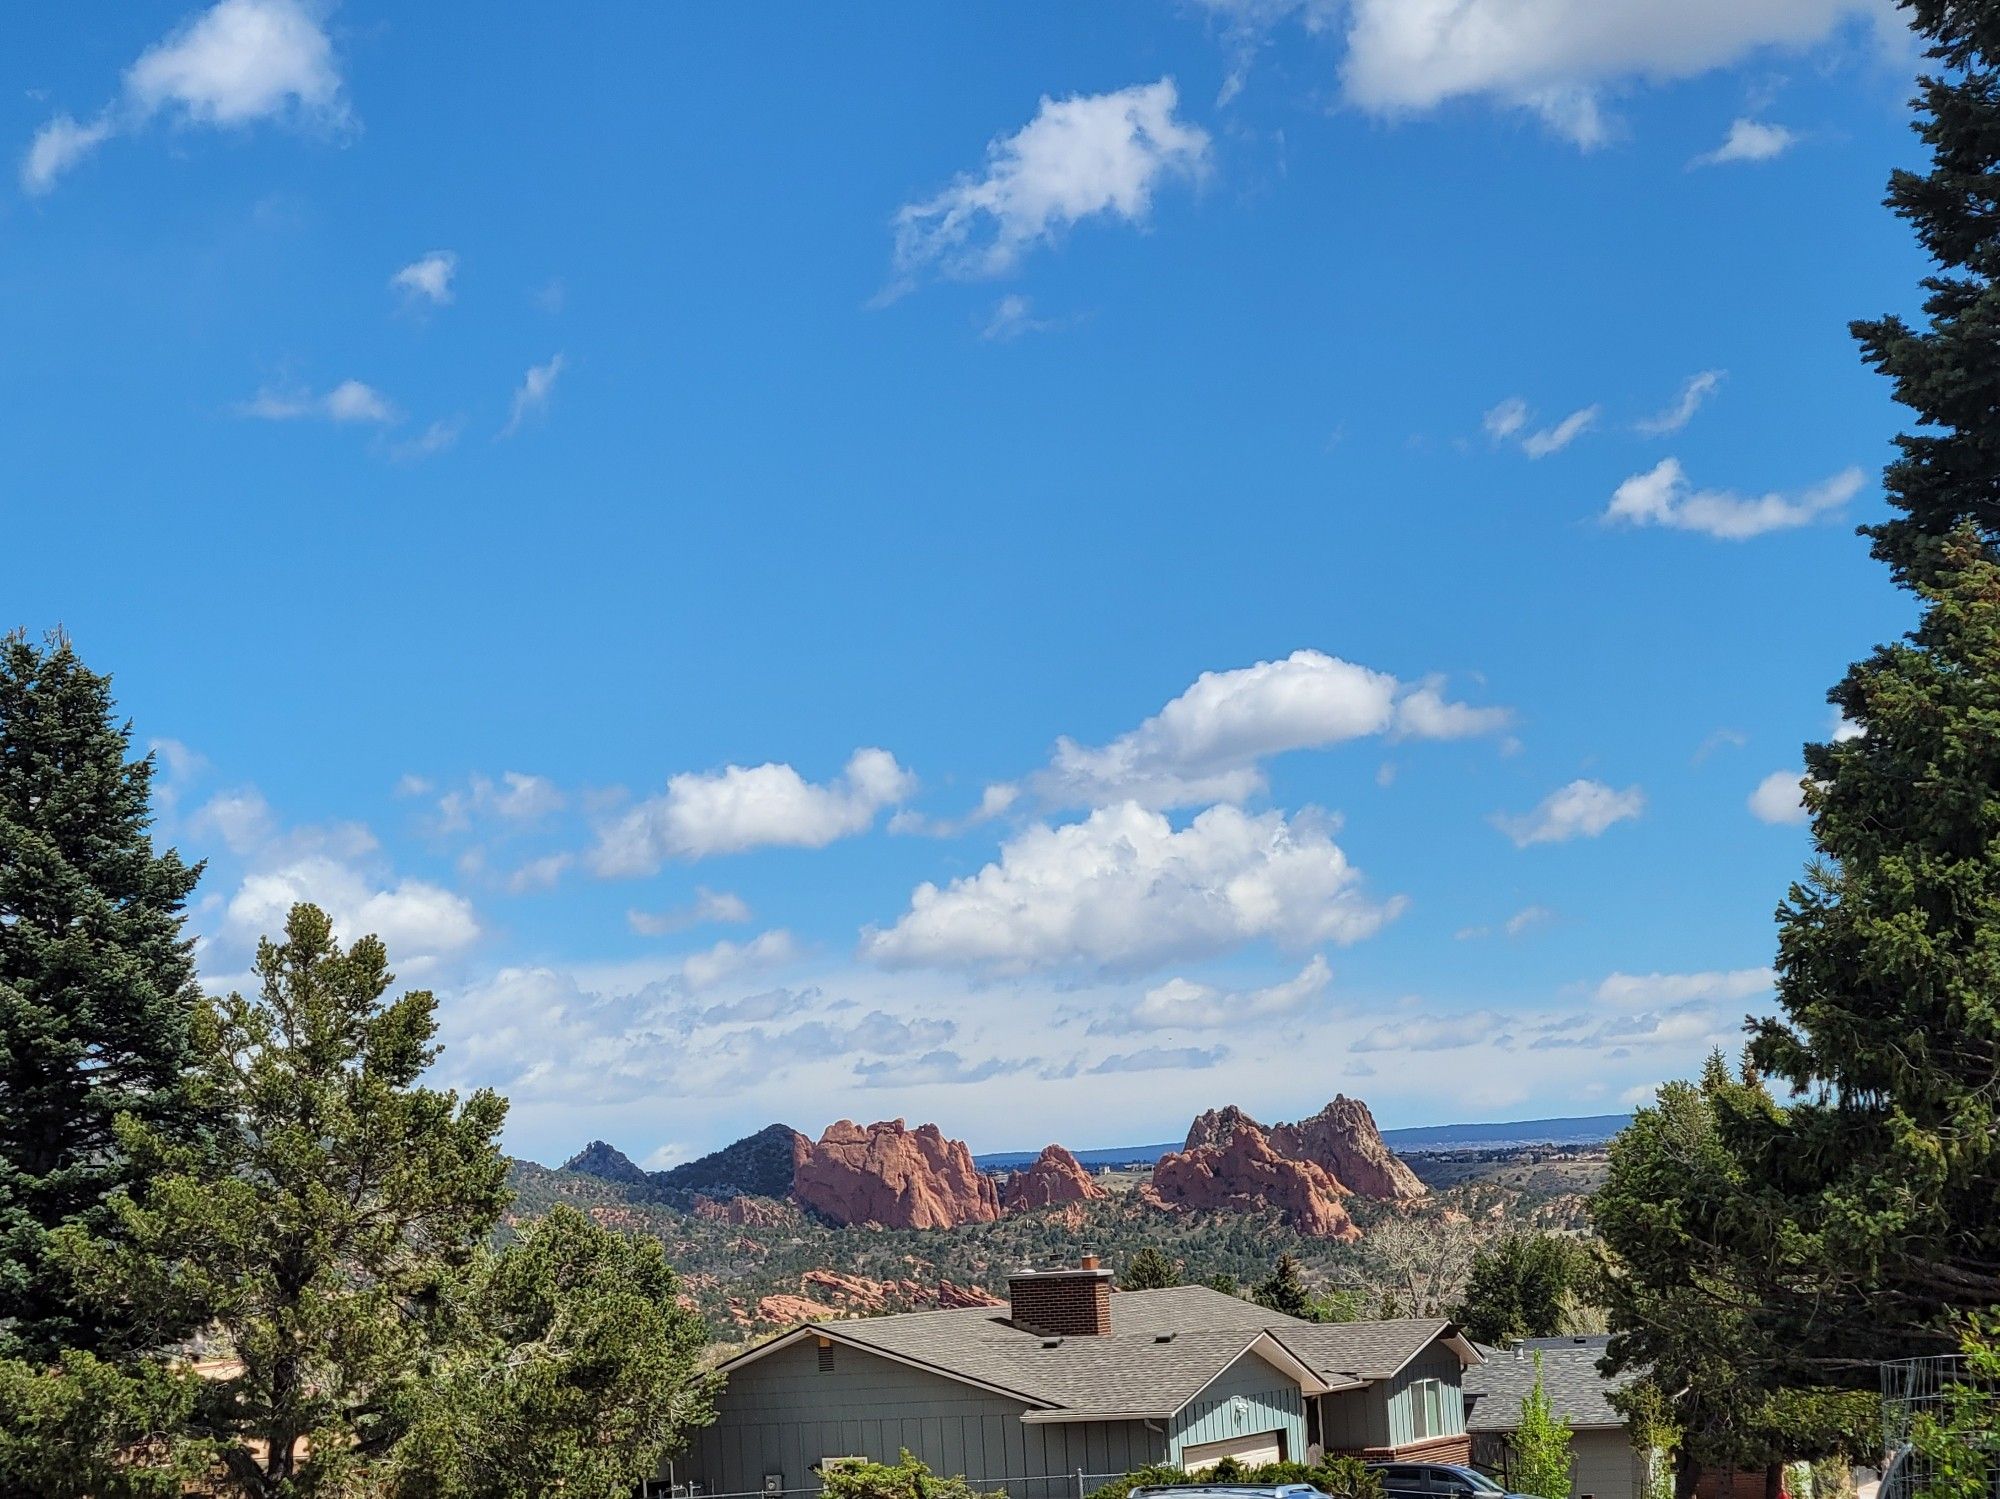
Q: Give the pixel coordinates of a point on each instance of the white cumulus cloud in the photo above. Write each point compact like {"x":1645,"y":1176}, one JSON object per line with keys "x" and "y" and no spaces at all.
{"x":1779,"y":798}
{"x":1207,"y":744}
{"x":238,"y":62}
{"x":417,"y":921}
{"x":744,"y":807}
{"x":1555,"y":57}
{"x":1082,"y":157}
{"x":1749,"y":140}
{"x":1663,"y":496}
{"x":1123,"y":889}
{"x":1582,"y":809}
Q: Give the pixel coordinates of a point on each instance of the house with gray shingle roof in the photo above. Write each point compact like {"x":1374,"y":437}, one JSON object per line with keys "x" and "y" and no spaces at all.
{"x":1071,"y":1377}
{"x":1606,"y":1465}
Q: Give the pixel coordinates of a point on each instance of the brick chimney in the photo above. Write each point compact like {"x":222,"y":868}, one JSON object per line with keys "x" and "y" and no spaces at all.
{"x":1063,"y":1303}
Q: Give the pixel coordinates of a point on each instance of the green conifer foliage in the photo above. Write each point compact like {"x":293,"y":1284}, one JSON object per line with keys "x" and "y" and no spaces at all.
{"x":1948,"y":474}
{"x":97,"y":989}
{"x":322,"y":1238}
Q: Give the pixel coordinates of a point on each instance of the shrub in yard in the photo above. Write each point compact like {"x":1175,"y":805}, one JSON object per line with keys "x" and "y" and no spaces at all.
{"x":905,"y":1479}
{"x":1541,"y":1445}
{"x":1340,"y":1477}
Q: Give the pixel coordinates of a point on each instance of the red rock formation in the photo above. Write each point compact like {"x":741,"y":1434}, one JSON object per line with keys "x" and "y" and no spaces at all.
{"x":894,"y":1177}
{"x":1056,"y":1177}
{"x":746,"y":1212}
{"x":789,"y":1310}
{"x":855,"y":1290}
{"x":1247,"y":1175}
{"x":858,"y":1293}
{"x":1218,"y":1126}
{"x":1343,"y":1139}
{"x":951,"y":1295}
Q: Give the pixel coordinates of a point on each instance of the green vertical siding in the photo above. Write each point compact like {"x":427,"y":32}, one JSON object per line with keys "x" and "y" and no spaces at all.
{"x":783,"y":1414}
{"x":1249,"y":1396}
{"x":1352,"y":1420}
{"x":1434,"y":1363}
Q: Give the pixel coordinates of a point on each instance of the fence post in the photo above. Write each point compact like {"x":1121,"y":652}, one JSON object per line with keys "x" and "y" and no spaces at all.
{"x":1079,"y":1483}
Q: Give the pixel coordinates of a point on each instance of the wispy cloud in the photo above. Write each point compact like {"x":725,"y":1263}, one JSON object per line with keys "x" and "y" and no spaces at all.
{"x":1082,"y":157}
{"x":427,"y":279}
{"x":1697,"y":390}
{"x":707,"y":906}
{"x":1506,"y":422}
{"x":350,"y":401}
{"x":532,"y":396}
{"x":1013,"y":315}
{"x":1582,"y":809}
{"x":1554,"y":439}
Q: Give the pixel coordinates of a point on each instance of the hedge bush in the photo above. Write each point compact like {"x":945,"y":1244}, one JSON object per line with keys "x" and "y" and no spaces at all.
{"x":1341,"y":1477}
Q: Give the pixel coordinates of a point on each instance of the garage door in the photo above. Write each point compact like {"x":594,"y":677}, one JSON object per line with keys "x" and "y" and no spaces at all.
{"x":1258,"y":1447}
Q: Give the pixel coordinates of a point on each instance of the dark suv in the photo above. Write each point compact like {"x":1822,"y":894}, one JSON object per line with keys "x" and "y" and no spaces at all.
{"x":1437,"y":1481}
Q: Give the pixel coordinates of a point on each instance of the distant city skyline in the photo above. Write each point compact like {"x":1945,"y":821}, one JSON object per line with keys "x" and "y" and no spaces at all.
{"x":1042,"y":572}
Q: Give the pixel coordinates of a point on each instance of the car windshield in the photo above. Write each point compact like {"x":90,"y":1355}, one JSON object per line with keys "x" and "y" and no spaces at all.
{"x":1481,"y":1484}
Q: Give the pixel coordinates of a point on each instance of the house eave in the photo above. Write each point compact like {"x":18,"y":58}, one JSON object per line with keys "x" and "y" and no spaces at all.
{"x":830,"y":1331}
{"x":1449,"y":1335}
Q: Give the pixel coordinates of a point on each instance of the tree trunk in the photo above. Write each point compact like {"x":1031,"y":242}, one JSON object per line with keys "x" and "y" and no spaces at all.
{"x":1687,"y":1474}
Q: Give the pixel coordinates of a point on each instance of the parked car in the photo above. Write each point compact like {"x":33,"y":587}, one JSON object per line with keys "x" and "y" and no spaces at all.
{"x":1438,"y":1481}
{"x":1230,"y":1491}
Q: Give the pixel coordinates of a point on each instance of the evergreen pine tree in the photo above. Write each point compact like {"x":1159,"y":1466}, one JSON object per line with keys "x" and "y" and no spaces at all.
{"x":97,"y":986}
{"x":1148,"y":1270}
{"x":1945,"y":372}
{"x":1865,"y":1224}
{"x":1284,"y":1291}
{"x":348,"y":1202}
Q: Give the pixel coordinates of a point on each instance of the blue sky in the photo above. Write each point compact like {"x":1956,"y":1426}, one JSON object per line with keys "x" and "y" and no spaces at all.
{"x":1039,"y":568}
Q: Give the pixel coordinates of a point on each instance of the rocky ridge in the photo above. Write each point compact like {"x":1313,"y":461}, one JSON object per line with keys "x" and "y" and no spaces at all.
{"x":888,"y":1175}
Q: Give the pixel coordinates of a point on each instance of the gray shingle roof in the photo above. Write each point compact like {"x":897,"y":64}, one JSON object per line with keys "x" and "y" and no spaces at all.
{"x":1577,"y":1392}
{"x":1366,"y":1350}
{"x":1132,"y":1371}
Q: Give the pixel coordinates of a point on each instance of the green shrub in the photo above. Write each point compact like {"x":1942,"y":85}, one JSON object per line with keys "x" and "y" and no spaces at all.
{"x":1341,"y":1477}
{"x":905,"y":1479}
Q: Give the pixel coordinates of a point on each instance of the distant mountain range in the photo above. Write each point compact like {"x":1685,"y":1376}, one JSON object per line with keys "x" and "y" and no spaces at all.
{"x":1590,"y":1129}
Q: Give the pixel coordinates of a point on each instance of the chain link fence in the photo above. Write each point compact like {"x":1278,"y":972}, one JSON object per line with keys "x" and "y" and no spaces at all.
{"x":1927,"y":1393}
{"x":1076,"y":1485}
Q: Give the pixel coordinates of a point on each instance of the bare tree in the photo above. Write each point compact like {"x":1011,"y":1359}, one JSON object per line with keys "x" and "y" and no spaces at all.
{"x":1420,"y":1264}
